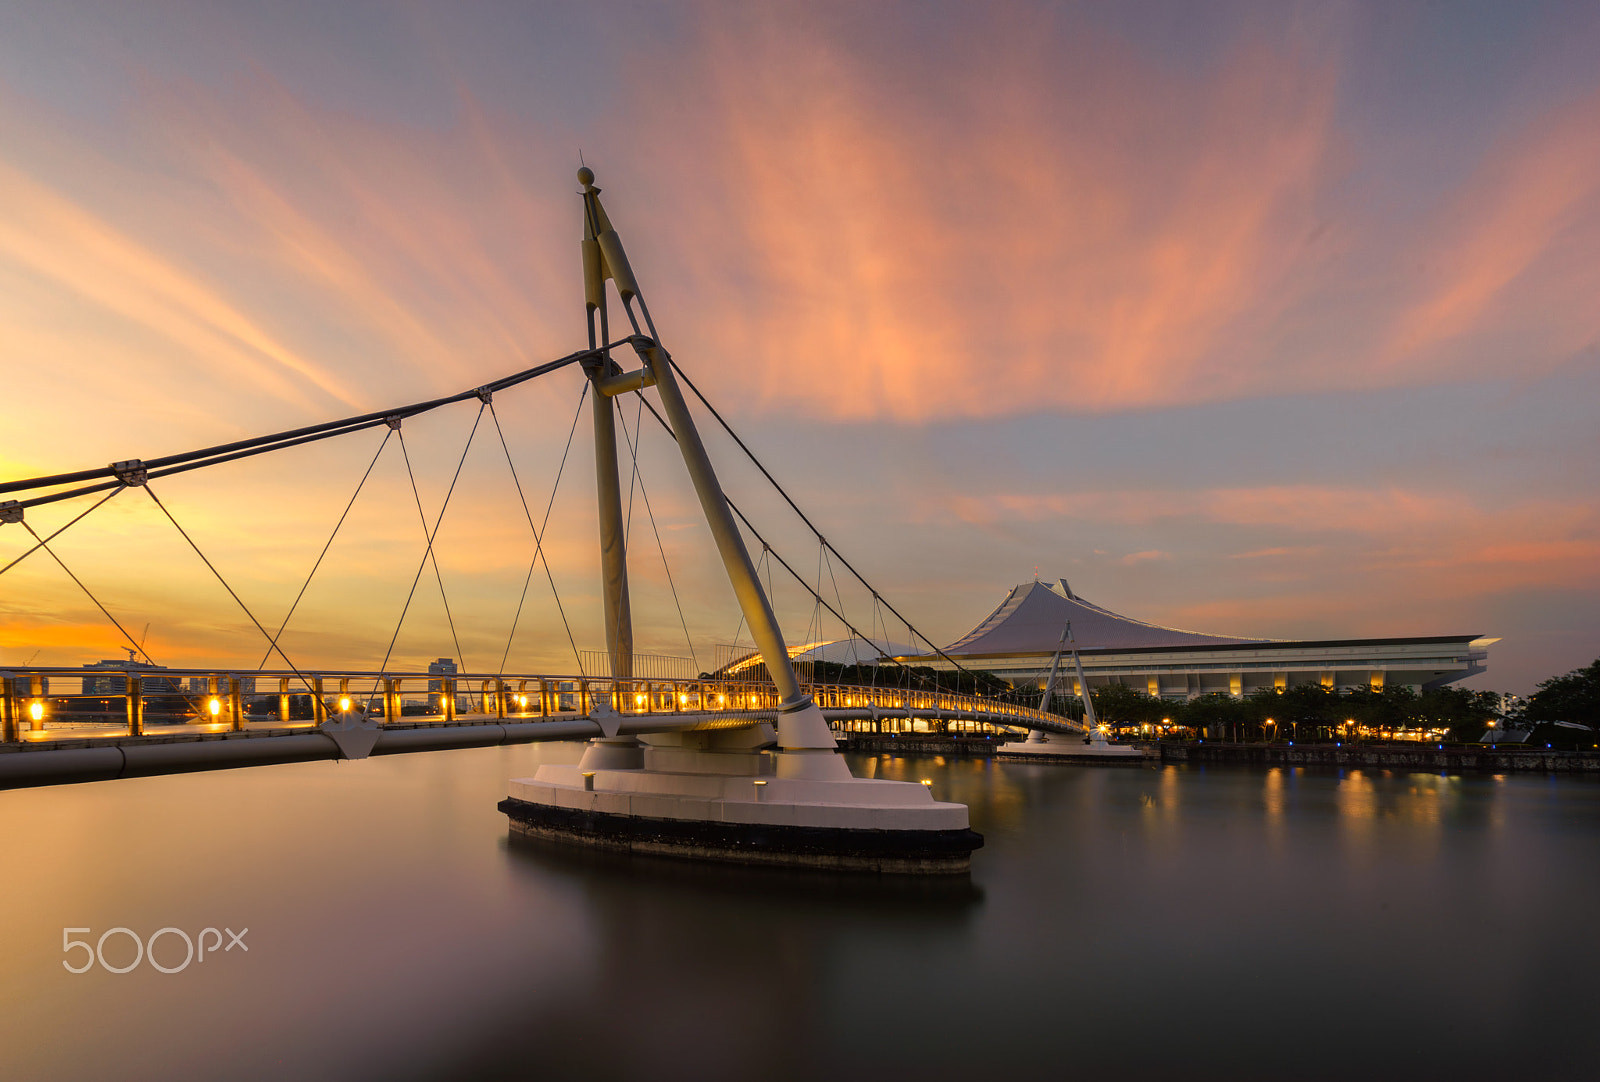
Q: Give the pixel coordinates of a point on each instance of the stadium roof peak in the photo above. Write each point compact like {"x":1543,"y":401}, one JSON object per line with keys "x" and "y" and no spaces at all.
{"x":1032,"y":616}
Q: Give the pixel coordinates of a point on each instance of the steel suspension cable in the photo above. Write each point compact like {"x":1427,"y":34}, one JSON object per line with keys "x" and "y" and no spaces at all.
{"x":767,"y":549}
{"x":427,"y":553}
{"x":634,"y":442}
{"x":839,"y":598}
{"x":321,"y":555}
{"x":540,"y":531}
{"x":803,"y":518}
{"x":816,"y":606}
{"x":152,"y":494}
{"x":433,"y":557}
{"x":634,"y":480}
{"x":137,"y":646}
{"x":42,"y":543}
{"x":210,"y":456}
{"x":82,"y":515}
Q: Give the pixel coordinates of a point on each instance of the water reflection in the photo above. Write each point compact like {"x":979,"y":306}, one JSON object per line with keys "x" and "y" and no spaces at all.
{"x":1121,"y":922}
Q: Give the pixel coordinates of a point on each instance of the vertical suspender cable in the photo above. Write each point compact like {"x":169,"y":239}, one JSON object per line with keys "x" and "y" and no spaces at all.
{"x":305,"y":585}
{"x":540,"y":531}
{"x":427,"y":554}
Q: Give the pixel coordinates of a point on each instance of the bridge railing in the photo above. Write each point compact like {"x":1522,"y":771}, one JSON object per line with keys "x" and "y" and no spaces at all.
{"x":57,"y":703}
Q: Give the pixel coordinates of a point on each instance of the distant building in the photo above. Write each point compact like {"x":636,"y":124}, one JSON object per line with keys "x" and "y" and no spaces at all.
{"x":445,"y":666}
{"x":1017,"y":641}
{"x":201,"y":685}
{"x":117,"y":685}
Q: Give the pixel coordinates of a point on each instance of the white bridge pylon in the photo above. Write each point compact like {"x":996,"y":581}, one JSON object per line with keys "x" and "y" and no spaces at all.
{"x":751,"y":794}
{"x":801,"y":727}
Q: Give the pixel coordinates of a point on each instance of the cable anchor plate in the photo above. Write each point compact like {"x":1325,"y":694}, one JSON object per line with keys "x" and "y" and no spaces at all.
{"x":131,"y":472}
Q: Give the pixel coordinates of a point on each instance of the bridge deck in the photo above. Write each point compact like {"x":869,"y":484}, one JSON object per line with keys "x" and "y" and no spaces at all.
{"x":75,"y":724}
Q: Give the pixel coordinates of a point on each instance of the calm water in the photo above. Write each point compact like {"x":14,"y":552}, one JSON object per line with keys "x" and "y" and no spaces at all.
{"x":1120,"y":923}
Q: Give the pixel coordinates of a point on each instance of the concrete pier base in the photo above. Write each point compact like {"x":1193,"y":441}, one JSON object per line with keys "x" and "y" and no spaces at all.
{"x":889,"y":852}
{"x":697,"y":797}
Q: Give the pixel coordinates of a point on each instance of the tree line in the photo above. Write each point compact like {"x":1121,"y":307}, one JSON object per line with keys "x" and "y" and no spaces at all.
{"x":1305,"y":711}
{"x":1563,"y":712}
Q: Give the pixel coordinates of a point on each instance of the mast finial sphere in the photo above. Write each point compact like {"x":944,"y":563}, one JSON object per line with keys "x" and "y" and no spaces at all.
{"x":586,"y":176}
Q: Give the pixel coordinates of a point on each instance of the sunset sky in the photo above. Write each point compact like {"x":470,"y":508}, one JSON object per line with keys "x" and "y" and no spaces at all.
{"x":1249,"y":318}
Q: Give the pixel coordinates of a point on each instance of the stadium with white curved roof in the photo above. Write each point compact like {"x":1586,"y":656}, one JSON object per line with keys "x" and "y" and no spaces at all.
{"x":1019,"y":638}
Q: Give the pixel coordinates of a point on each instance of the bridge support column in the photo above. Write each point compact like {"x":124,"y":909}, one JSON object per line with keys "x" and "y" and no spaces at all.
{"x":608,"y":487}
{"x":801,"y":726}
{"x":319,"y":709}
{"x":9,"y":708}
{"x":235,"y":705}
{"x":285,"y":706}
{"x":391,"y":700}
{"x":135,"y":690}
{"x":36,"y":691}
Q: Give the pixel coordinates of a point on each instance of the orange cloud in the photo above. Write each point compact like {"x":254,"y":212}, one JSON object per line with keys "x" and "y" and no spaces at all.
{"x":404,"y":235}
{"x":1278,"y":550}
{"x":978,"y":245}
{"x":1041,"y":217}
{"x":50,"y":236}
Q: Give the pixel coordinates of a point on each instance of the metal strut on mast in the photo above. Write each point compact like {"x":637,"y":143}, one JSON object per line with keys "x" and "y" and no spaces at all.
{"x":801,"y":726}
{"x":1037,"y":737}
{"x":1091,"y":725}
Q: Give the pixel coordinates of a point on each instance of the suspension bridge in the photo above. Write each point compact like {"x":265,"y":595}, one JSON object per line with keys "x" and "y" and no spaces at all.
{"x":113,"y":720}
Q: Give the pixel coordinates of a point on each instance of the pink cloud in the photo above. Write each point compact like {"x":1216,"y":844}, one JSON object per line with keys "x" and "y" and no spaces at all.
{"x":1530,"y":218}
{"x":1442,"y":542}
{"x":979,"y":245}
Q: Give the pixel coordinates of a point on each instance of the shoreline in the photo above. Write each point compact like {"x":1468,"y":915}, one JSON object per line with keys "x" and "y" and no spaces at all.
{"x":1452,"y":758}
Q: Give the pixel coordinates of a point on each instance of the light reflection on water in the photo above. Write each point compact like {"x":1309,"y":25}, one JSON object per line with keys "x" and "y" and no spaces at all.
{"x":1121,"y":922}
